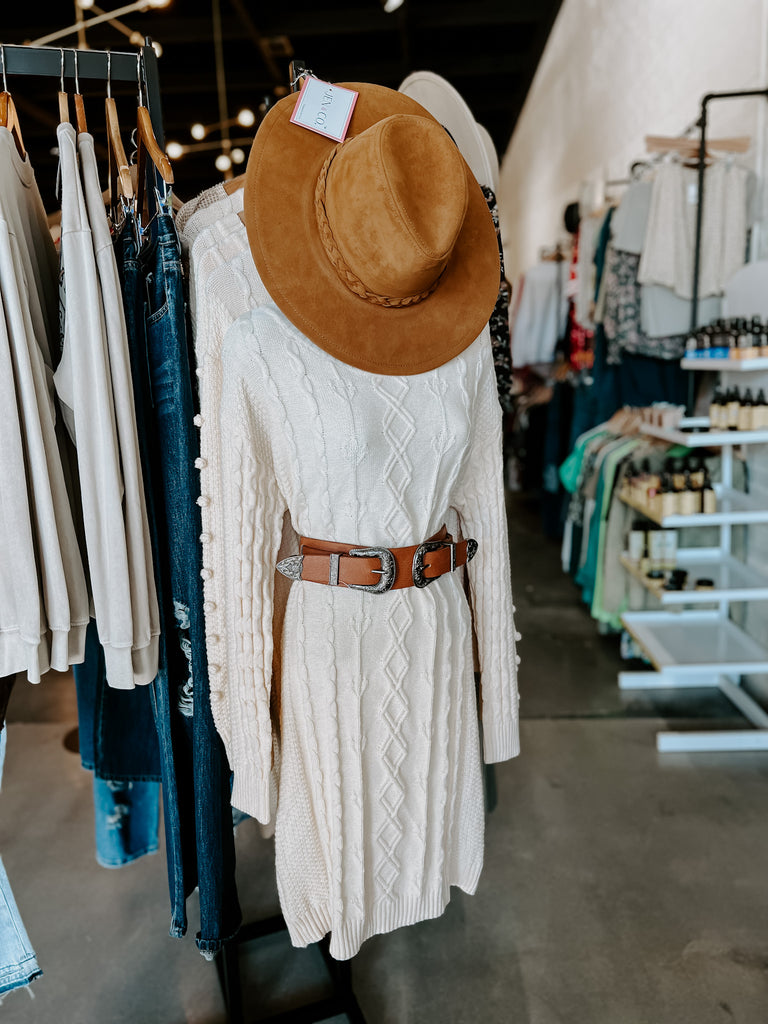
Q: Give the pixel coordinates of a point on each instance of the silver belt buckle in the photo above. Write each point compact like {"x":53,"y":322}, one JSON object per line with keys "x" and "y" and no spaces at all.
{"x":419,"y":579}
{"x":387,"y":570}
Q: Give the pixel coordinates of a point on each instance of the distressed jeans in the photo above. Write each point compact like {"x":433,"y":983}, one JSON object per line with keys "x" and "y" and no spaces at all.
{"x":18,"y":964}
{"x":202,"y":756}
{"x":118,"y":743}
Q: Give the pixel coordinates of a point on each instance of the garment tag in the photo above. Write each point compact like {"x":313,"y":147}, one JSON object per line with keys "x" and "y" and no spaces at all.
{"x":693,"y":192}
{"x":324,"y":108}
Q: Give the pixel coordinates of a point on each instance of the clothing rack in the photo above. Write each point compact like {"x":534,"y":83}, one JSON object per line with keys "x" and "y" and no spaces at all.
{"x":701,"y":123}
{"x":341,"y":1001}
{"x":100,"y":65}
{"x":46,"y":62}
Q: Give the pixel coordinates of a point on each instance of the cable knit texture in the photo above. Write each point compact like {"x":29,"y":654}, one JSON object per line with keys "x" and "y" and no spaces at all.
{"x":380,"y":805}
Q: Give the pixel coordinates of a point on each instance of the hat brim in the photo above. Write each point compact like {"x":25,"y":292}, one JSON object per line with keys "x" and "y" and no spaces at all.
{"x":279,"y":214}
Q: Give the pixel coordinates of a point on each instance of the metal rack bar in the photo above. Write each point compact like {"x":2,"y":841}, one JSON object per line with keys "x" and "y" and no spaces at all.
{"x":341,"y":1001}
{"x":702,"y":126}
{"x":45,"y":62}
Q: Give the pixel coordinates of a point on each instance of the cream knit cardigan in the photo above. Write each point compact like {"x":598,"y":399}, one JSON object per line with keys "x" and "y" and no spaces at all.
{"x":380,"y":805}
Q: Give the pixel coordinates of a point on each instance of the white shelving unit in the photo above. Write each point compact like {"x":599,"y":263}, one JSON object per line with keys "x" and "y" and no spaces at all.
{"x":734,"y":580}
{"x":689,"y":646}
{"x":694,"y":432}
{"x":730,"y":365}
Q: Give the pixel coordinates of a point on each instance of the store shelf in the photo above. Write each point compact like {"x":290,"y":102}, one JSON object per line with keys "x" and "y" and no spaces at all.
{"x":698,"y":643}
{"x":738,"y":365}
{"x":734,"y":581}
{"x":733,"y":508}
{"x":704,"y":438}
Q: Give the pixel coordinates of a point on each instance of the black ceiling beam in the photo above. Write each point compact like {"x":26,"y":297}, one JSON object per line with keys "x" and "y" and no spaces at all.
{"x":174,"y":30}
{"x":258,"y":40}
{"x":372,"y":19}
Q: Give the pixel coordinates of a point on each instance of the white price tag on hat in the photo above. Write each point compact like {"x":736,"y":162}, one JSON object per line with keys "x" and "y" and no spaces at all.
{"x":324,"y":108}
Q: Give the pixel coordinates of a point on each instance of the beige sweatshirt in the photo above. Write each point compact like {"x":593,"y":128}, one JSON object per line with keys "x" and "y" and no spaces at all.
{"x":84,"y":385}
{"x":49,"y":629}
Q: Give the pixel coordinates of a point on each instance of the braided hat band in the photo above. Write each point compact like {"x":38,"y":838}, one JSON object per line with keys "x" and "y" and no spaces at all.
{"x":340,"y":265}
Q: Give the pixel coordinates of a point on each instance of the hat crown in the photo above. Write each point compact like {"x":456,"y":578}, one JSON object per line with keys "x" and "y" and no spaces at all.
{"x":395,"y":198}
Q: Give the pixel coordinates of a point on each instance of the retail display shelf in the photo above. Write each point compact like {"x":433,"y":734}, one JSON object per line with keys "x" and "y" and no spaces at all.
{"x":704,"y":438}
{"x":690,"y":640}
{"x":733,"y":580}
{"x":733,"y":507}
{"x":737,"y":365}
{"x":680,"y":643}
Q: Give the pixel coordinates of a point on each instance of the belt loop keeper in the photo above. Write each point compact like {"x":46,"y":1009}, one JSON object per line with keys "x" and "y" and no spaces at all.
{"x":333,"y":569}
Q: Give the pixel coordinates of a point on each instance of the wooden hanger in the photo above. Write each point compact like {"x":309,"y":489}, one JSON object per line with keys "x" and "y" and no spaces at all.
{"x":232,"y":186}
{"x":8,"y":117}
{"x":82,"y":125}
{"x":688,"y":147}
{"x":63,"y":98}
{"x":147,"y":146}
{"x":119,"y":170}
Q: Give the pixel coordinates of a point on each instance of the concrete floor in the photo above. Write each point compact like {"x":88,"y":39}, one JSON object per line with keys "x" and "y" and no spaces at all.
{"x":620,"y":886}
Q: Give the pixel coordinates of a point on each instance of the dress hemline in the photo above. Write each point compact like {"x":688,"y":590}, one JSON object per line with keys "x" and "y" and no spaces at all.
{"x":346,"y":939}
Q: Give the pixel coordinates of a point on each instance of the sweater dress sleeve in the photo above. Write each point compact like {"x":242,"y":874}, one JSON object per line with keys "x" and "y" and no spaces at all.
{"x":479,"y":500}
{"x":252,"y":519}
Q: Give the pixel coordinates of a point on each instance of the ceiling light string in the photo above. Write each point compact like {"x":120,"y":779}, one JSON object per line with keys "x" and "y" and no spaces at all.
{"x":82,"y":23}
{"x":133,"y":37}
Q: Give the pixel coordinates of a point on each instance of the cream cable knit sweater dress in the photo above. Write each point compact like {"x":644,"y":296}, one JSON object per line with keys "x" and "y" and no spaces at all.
{"x":380,"y":806}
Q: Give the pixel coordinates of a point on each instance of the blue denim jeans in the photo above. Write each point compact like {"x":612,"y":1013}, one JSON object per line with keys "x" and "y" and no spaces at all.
{"x":127,"y":817}
{"x":118,"y":741}
{"x":18,"y":964}
{"x":178,"y":794}
{"x":202,"y":756}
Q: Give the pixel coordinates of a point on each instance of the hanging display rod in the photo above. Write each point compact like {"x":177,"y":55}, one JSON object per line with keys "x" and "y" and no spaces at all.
{"x":46,"y":61}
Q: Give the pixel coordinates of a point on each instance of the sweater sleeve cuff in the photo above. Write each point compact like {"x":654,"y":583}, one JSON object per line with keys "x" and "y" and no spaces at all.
{"x":118,"y":665}
{"x":501,"y":742}
{"x":251,"y":795}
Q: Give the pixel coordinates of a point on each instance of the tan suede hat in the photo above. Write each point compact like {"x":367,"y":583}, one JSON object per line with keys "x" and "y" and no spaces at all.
{"x":380,"y":249}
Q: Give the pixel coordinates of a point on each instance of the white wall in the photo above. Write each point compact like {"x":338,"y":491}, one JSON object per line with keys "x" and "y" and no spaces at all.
{"x":614,"y":71}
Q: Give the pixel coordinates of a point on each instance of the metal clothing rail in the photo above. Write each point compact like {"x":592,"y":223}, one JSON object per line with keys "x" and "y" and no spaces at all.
{"x":701,"y":124}
{"x":46,"y":62}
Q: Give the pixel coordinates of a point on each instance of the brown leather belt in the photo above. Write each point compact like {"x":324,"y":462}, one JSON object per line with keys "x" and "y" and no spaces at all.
{"x":377,"y":570}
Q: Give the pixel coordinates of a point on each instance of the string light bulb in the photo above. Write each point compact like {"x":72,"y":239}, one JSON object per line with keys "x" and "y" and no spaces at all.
{"x":238,"y":156}
{"x":223,"y":162}
{"x":174,"y":150}
{"x":85,"y":5}
{"x":246,"y":117}
{"x":197,"y":131}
